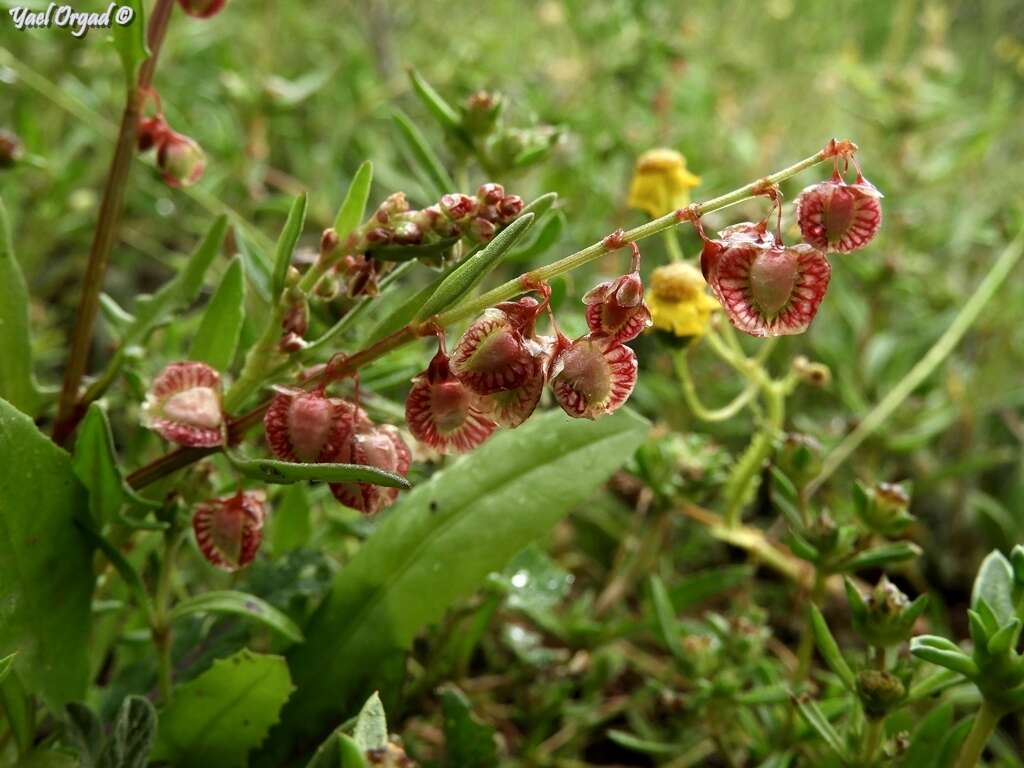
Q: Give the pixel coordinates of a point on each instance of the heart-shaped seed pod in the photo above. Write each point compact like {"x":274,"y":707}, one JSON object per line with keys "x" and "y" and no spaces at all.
{"x":229,"y":531}
{"x":442,"y":412}
{"x":308,"y":426}
{"x":492,"y":355}
{"x":771,"y":291}
{"x":616,"y":308}
{"x":744,"y":233}
{"x":840,"y":217}
{"x":374,"y":446}
{"x":591,"y":377}
{"x":514,"y":406}
{"x":184,"y":405}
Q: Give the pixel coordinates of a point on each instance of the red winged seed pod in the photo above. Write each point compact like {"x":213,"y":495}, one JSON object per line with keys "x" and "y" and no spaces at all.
{"x":836,"y":216}
{"x":442,"y":412}
{"x":373,"y":446}
{"x":202,"y":9}
{"x":512,"y":407}
{"x":493,"y":354}
{"x":184,"y":405}
{"x":592,"y":376}
{"x":615,"y":308}
{"x":229,"y":531}
{"x":306,"y":426}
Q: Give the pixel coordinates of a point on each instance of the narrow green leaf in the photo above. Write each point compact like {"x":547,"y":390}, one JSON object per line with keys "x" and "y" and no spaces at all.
{"x":696,"y":588}
{"x":96,"y":465}
{"x":665,"y":614}
{"x":881,"y":556}
{"x":437,"y":545}
{"x":926,"y":741}
{"x":474,"y":269}
{"x":116,"y":316}
{"x":350,"y":214}
{"x":643,"y":746}
{"x":442,"y":111}
{"x":425,"y":162}
{"x":125,"y":569}
{"x":349,"y":752}
{"x":130,"y":40}
{"x":224,"y":713}
{"x":45,"y":562}
{"x":132,"y":738}
{"x":285,"y":247}
{"x":829,"y":649}
{"x":933,"y":684}
{"x":764,"y":694}
{"x":371,"y":731}
{"x":994,"y":584}
{"x":541,"y":205}
{"x":17,"y":384}
{"x":181,"y":290}
{"x":943,"y":656}
{"x":257,"y":266}
{"x":469,"y":743}
{"x":1005,"y":639}
{"x":285,"y":472}
{"x":817,"y":720}
{"x":216,"y":341}
{"x":6,"y":664}
{"x":83,"y":729}
{"x":18,"y":709}
{"x":239,"y":604}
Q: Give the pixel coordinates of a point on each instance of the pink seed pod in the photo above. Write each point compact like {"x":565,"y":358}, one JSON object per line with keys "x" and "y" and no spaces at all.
{"x":180,"y":159}
{"x":509,"y":207}
{"x":308,"y":426}
{"x":616,"y":309}
{"x":442,"y":412}
{"x":373,"y":446}
{"x":229,"y":531}
{"x":492,"y":355}
{"x":202,"y":9}
{"x":514,"y":406}
{"x":743,"y":234}
{"x":771,"y":291}
{"x":840,"y":217}
{"x":184,"y":405}
{"x":592,"y":377}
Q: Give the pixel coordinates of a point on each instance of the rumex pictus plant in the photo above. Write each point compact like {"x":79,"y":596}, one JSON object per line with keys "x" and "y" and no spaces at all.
{"x":500,"y":358}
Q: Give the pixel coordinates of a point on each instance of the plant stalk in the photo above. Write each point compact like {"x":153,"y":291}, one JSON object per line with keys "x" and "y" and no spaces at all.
{"x":981,"y":731}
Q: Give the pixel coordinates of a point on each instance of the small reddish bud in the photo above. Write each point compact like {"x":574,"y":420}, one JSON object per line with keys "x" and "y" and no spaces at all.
{"x":378,"y":236}
{"x":408,"y":233}
{"x":836,"y":216}
{"x":308,"y":426}
{"x":291,"y":342}
{"x":510,"y":206}
{"x":772,"y":291}
{"x":184,"y":405}
{"x":229,"y":531}
{"x":202,"y":9}
{"x":373,"y":446}
{"x":442,"y":412}
{"x":329,"y":240}
{"x":490,"y":194}
{"x":592,"y":377}
{"x":482,"y":230}
{"x":492,"y":355}
{"x":457,"y":206}
{"x":616,"y":308}
{"x":181,"y":161}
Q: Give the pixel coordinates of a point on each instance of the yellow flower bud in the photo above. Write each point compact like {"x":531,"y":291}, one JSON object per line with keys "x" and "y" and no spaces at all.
{"x":661,"y":182}
{"x":677,"y":300}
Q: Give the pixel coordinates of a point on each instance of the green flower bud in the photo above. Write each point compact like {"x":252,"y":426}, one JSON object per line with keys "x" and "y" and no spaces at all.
{"x":884,"y":508}
{"x":880,"y":692}
{"x":823,"y":534}
{"x":885,"y":616}
{"x":799,"y":458}
{"x":481,"y":112}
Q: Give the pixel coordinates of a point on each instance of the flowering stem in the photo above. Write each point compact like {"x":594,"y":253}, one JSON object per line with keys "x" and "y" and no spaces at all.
{"x":926,"y":365}
{"x":981,"y":731}
{"x":183,"y":457}
{"x":161,"y":627}
{"x":69,"y":411}
{"x":693,"y":400}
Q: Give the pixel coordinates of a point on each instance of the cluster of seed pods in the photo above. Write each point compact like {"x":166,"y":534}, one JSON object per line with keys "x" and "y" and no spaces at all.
{"x":770,"y":289}
{"x":498,"y":369}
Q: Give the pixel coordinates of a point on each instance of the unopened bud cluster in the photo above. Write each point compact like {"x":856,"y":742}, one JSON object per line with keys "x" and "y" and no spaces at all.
{"x":179,"y":158}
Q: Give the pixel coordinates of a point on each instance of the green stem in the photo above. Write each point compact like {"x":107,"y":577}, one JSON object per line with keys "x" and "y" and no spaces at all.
{"x":806,"y":647}
{"x":693,"y":400}
{"x":981,"y":731}
{"x":747,"y":469}
{"x":926,"y":365}
{"x":873,"y":732}
{"x":161,"y":627}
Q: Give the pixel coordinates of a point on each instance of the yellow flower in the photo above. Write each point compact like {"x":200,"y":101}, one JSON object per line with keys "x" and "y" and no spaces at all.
{"x":678,"y":301}
{"x":661,"y":183}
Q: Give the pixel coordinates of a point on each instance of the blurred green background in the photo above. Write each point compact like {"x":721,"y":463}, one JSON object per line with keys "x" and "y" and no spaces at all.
{"x":285,"y":96}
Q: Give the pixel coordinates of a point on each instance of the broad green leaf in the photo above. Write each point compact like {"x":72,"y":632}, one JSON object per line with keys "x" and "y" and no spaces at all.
{"x":994,"y":585}
{"x":134,"y":730}
{"x":422,"y":157}
{"x":829,"y":649}
{"x":285,"y":472}
{"x":285,"y":247}
{"x":474,"y":269}
{"x":371,"y":731}
{"x":665,"y":615}
{"x":224,"y":713}
{"x":437,"y":545}
{"x":442,"y":111}
{"x":290,"y":525}
{"x":350,"y":214}
{"x":130,"y":40}
{"x":17,"y":384}
{"x":821,"y":725}
{"x":216,"y":340}
{"x":239,"y":604}
{"x":468,"y":743}
{"x":6,"y":663}
{"x":179,"y":291}
{"x":45,"y":562}
{"x":534,"y":583}
{"x":95,"y":464}
{"x":19,"y":711}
